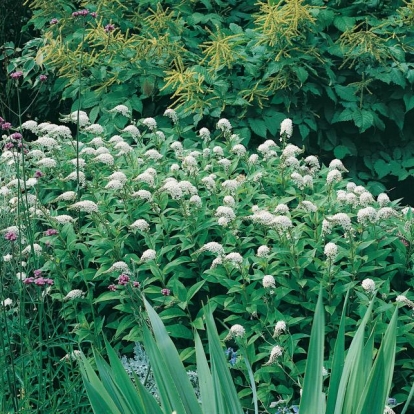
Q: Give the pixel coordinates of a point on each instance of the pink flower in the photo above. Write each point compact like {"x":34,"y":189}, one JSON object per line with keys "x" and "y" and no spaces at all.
{"x":123,"y":279}
{"x":37,"y":273}
{"x":11,"y":236}
{"x":40,"y":281}
{"x":109,"y":28}
{"x":165,"y":292}
{"x":54,"y":21}
{"x":16,"y":135}
{"x":16,"y":74}
{"x":112,"y":288}
{"x":50,"y":232}
{"x":38,"y":174}
{"x":6,"y":126}
{"x":28,"y":280}
{"x":43,"y":78}
{"x":136,"y":284}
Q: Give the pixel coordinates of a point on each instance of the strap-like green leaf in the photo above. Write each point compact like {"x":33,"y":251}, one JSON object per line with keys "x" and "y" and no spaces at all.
{"x":173,"y":364}
{"x":312,"y":400}
{"x":222,"y":380}
{"x":376,"y":390}
{"x":205,"y":380}
{"x":338,"y":362}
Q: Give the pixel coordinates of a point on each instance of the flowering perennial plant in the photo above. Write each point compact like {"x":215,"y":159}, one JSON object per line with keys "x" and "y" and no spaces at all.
{"x":187,"y":217}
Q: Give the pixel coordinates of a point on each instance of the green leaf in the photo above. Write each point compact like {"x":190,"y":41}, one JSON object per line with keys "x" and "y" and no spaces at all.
{"x":258,"y":126}
{"x":355,"y":350}
{"x":338,"y":361}
{"x":382,"y":168}
{"x":344,"y":23}
{"x":347,"y":93}
{"x":224,"y":390}
{"x":312,"y":400}
{"x":205,"y":379}
{"x":194,"y":289}
{"x":182,"y":393}
{"x":341,"y":151}
{"x":377,"y":387}
{"x":363,"y":119}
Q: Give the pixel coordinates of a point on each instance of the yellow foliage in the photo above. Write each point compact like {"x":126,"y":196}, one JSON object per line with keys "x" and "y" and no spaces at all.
{"x":220,"y":50}
{"x":281,"y":22}
{"x":360,"y":42}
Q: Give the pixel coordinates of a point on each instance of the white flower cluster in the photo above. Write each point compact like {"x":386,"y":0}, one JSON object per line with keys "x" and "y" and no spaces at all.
{"x":148,"y":255}
{"x":140,"y":224}
{"x":263,"y":251}
{"x":339,"y":219}
{"x":121,"y":109}
{"x":269,"y":282}
{"x":331,"y":251}
{"x":86,"y":206}
{"x":367,"y":215}
{"x":286,"y":128}
{"x":213,"y":247}
{"x":236,"y":331}
{"x":403,"y":299}
{"x":224,"y":125}
{"x":368,"y":285}
{"x":170,"y":113}
{"x":120,"y":267}
{"x":132,"y":130}
{"x":275,"y":353}
{"x":280,"y":327}
{"x":74,"y":294}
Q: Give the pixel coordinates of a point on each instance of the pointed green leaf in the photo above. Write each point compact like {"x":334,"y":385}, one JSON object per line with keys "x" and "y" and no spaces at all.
{"x":312,"y":401}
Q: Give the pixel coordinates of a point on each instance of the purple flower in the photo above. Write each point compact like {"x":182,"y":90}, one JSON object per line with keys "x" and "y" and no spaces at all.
{"x":54,"y":21}
{"x":112,"y":288}
{"x":16,"y":136}
{"x":123,"y":279}
{"x":28,"y":280}
{"x":40,"y":281}
{"x":43,"y":78}
{"x":37,"y":273}
{"x":16,"y":75}
{"x":50,"y":282}
{"x":1,"y":120}
{"x":136,"y":284}
{"x":94,"y":14}
{"x":50,"y":232}
{"x":109,"y":28}
{"x":6,"y":125}
{"x":8,"y":146}
{"x":11,"y":236}
{"x":38,"y":174}
{"x":165,"y":292}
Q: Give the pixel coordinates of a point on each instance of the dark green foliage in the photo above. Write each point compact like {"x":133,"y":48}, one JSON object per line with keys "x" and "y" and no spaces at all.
{"x":342,"y":71}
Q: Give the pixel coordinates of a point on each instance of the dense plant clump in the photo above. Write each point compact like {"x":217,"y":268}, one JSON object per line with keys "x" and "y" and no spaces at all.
{"x":185,"y":217}
{"x":342,"y":71}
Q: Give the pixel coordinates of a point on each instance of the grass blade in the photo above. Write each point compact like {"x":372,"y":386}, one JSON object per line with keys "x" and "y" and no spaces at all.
{"x":312,"y":400}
